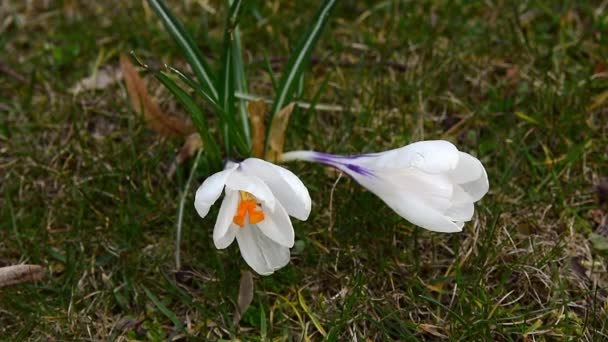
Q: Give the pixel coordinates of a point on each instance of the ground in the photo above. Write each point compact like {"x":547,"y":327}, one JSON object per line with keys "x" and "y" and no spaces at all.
{"x":85,"y":190}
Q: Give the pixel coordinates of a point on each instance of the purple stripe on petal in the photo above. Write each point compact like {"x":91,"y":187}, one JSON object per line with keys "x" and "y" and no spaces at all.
{"x":341,"y":163}
{"x":359,"y":169}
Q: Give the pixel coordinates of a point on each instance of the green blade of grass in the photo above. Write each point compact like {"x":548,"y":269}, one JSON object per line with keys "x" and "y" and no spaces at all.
{"x":198,"y":117}
{"x":164,"y":309}
{"x":198,"y":89}
{"x":226,"y":84}
{"x":186,"y":44}
{"x":236,"y":133}
{"x":297,"y":61}
{"x":240,"y":80}
{"x":268,"y":67}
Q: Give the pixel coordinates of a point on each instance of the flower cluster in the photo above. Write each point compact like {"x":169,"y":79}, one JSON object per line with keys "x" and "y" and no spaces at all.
{"x":429,"y":183}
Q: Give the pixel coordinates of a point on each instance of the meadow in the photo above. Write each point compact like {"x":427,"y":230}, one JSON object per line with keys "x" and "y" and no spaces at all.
{"x":91,"y":193}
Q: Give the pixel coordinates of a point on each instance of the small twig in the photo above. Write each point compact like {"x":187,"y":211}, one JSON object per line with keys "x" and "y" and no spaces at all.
{"x":301,"y":104}
{"x":331,"y":203}
{"x":17,"y":274}
{"x":180,"y":211}
{"x":4,"y":69}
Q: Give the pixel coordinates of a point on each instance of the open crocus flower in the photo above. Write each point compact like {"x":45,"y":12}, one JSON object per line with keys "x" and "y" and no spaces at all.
{"x":259,"y":198}
{"x":429,"y":183}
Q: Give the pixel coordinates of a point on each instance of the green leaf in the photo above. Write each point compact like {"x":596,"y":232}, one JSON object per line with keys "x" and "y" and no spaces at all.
{"x":187,"y":45}
{"x":298,"y":60}
{"x":164,"y":309}
{"x":226,"y":81}
{"x":240,"y":80}
{"x":268,"y":67}
{"x":236,"y":134}
{"x":599,"y":242}
{"x":198,"y":117}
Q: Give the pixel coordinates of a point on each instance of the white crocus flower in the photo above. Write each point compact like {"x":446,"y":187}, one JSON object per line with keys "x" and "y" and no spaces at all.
{"x":429,"y":183}
{"x":259,"y":198}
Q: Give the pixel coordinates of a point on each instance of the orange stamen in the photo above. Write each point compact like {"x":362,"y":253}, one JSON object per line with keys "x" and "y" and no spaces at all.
{"x":247,"y":205}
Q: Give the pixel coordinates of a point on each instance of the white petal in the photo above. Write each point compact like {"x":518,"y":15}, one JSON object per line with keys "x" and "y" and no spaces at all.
{"x":478,"y":188}
{"x":210,"y":191}
{"x":223,"y":234}
{"x":468,"y":169}
{"x":240,"y":180}
{"x":227,"y":239}
{"x":287,"y":187}
{"x":433,"y":156}
{"x":262,"y":254}
{"x":435,"y":190}
{"x":460,"y":196}
{"x":277,"y":226}
{"x":421,"y":215}
{"x":460,"y":212}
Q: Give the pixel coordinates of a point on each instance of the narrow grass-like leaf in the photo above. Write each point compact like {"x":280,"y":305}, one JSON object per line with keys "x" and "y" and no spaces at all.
{"x":236,"y":133}
{"x":297,"y":61}
{"x":268,"y":67}
{"x":226,"y":81}
{"x":163,"y":308}
{"x":240,"y":80}
{"x":198,"y":117}
{"x":311,"y":315}
{"x":187,"y":45}
{"x":197,"y":88}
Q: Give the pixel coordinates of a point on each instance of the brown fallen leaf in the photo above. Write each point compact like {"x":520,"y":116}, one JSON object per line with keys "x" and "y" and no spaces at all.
{"x":188,"y":150}
{"x":192,"y":144}
{"x":598,"y":101}
{"x":245,"y":296}
{"x":257,"y":110}
{"x":276,"y":136}
{"x":141,"y":100}
{"x":17,"y":274}
{"x":433,"y":330}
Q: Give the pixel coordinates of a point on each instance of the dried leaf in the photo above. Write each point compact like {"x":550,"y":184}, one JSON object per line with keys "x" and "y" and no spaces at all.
{"x":512,"y":74}
{"x":156,"y":119}
{"x":526,"y":118}
{"x":101,"y":79}
{"x":192,"y":144}
{"x":600,"y":242}
{"x":313,"y":318}
{"x":17,"y":274}
{"x":245,"y":296}
{"x":433,"y":330}
{"x":257,"y":110}
{"x":598,"y":101}
{"x":276,"y":136}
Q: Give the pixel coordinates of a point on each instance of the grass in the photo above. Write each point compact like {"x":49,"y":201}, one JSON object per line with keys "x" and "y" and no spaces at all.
{"x":84,"y":188}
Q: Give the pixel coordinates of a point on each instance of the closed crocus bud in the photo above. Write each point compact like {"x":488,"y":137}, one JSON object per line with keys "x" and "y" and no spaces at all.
{"x":259,"y":198}
{"x":429,"y":183}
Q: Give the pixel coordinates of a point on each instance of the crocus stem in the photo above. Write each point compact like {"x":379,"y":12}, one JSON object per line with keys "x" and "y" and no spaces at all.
{"x":180,"y":211}
{"x":299,"y":155}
